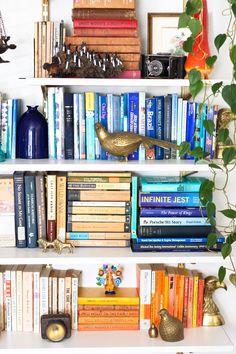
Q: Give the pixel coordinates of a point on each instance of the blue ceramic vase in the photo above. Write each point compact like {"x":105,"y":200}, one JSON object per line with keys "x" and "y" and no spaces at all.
{"x":32,"y":135}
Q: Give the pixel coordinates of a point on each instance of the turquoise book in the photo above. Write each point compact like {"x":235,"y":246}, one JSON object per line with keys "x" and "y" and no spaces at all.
{"x":134,"y":207}
{"x":171,"y":184}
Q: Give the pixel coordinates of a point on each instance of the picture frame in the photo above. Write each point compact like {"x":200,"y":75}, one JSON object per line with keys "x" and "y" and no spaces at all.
{"x":162,"y":28}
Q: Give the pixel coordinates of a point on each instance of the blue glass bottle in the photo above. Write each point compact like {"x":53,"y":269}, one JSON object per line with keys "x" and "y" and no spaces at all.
{"x":32,"y":135}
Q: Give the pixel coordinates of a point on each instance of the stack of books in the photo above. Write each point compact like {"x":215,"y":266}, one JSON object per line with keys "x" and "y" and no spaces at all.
{"x":100,"y":312}
{"x":29,"y":291}
{"x":179,"y":290}
{"x":98,"y":208}
{"x":108,"y":27}
{"x":171,"y":216}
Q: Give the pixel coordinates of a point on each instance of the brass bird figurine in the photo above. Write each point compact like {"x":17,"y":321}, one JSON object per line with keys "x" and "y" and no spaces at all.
{"x":124,"y":143}
{"x":211,"y":313}
{"x":171,"y":329}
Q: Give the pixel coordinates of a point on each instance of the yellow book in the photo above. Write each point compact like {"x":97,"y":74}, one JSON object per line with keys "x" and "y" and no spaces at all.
{"x":61,"y":207}
{"x":97,"y":296}
{"x":195,"y":297}
{"x":166,"y":286}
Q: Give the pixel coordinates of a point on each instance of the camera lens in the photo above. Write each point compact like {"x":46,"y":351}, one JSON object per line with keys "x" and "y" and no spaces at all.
{"x":155,"y":68}
{"x":56,"y":331}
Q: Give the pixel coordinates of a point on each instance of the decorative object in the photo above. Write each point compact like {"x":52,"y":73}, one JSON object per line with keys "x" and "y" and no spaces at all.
{"x":56,"y":244}
{"x":153,"y":331}
{"x":109,"y":276}
{"x":56,"y":327}
{"x":3,"y":40}
{"x":171,"y":329}
{"x":2,"y":154}
{"x":32,"y":135}
{"x":211,"y":313}
{"x":45,"y":10}
{"x":123,"y":143}
{"x":83,"y":63}
{"x":225,"y":91}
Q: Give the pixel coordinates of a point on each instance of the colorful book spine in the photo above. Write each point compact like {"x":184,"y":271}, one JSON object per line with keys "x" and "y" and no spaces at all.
{"x":103,"y":119}
{"x":180,"y":221}
{"x":169,"y":199}
{"x":98,"y":218}
{"x":133,"y":118}
{"x":173,"y":212}
{"x":9,"y":128}
{"x":202,"y":128}
{"x":185,"y":305}
{"x":15,"y":116}
{"x":177,"y":240}
{"x":184,"y":121}
{"x":98,"y":226}
{"x":209,"y":137}
{"x":171,"y":184}
{"x":96,"y":119}
{"x":13,"y":299}
{"x":195,"y":298}
{"x":41,"y":204}
{"x":174,"y":247}
{"x":31,"y":215}
{"x":51,"y":104}
{"x":100,"y":243}
{"x":98,"y":236}
{"x":109,"y":313}
{"x":190,"y":127}
{"x":174,"y":123}
{"x":98,"y":210}
{"x":150,"y":125}
{"x":69,"y":126}
{"x":216,"y":109}
{"x":61,"y":207}
{"x":90,"y":120}
{"x":86,"y":23}
{"x":167,"y":124}
{"x":27,"y":300}
{"x":93,"y":195}
{"x":7,"y":303}
{"x":82,"y":127}
{"x":4,"y":125}
{"x":134,"y":207}
{"x":174,"y":231}
{"x":142,"y":124}
{"x":111,"y":4}
{"x":108,"y":320}
{"x":19,"y":297}
{"x":108,"y":327}
{"x":20,"y":217}
{"x":60,"y":123}
{"x":74,"y":299}
{"x":103,"y":14}
{"x":201,"y":283}
{"x":51,"y":207}
{"x":76,"y":125}
{"x":190,"y":301}
{"x":97,"y":186}
{"x":160,"y":101}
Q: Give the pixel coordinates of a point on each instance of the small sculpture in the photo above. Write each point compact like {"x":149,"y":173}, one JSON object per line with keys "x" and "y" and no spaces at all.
{"x":4,"y":46}
{"x":171,"y":329}
{"x":124,"y":143}
{"x":211,"y":313}
{"x":153,"y":331}
{"x":56,"y":244}
{"x":110,"y":277}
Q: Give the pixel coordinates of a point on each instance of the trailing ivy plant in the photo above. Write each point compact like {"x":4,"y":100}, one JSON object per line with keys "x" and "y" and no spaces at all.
{"x":227,"y":40}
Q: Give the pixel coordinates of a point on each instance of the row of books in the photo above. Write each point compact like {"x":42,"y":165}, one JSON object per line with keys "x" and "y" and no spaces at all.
{"x":108,"y":29}
{"x":71,"y":119}
{"x":9,"y":116}
{"x":29,"y":291}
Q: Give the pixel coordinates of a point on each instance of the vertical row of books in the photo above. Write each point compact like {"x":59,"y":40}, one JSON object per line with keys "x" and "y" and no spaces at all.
{"x":108,"y":27}
{"x":29,"y":291}
{"x":9,"y":116}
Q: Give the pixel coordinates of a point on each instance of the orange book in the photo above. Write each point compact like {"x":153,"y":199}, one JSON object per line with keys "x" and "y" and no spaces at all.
{"x":171,"y":289}
{"x":181,"y":273}
{"x":185,"y":305}
{"x":108,"y":307}
{"x":105,"y":32}
{"x":158,"y":284}
{"x":166,"y":290}
{"x":98,"y":226}
{"x":190,"y":301}
{"x":108,"y":327}
{"x":76,"y":40}
{"x":176,"y":292}
{"x":99,"y":243}
{"x":108,"y":320}
{"x":108,"y":313}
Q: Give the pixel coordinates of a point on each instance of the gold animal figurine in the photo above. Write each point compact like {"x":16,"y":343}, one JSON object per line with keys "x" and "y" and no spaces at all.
{"x":56,"y":244}
{"x":211,"y":313}
{"x":171,"y":329}
{"x":110,"y":284}
{"x":122,"y":143}
{"x":153,"y":331}
{"x":45,"y":244}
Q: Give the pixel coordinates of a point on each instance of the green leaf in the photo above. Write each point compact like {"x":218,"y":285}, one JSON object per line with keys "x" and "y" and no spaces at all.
{"x":226,"y":250}
{"x":219,"y":40}
{"x":188,"y":45}
{"x":211,"y":239}
{"x":229,"y":213}
{"x":197,"y":152}
{"x":213,"y":165}
{"x":234,"y":9}
{"x":193,"y":7}
{"x":229,"y":154}
{"x":184,"y":20}
{"x":229,"y":94}
{"x":210,"y":61}
{"x":194,"y":76}
{"x":211,"y":209}
{"x":184,"y":148}
{"x":195,"y":27}
{"x":215,"y":88}
{"x":196,"y":89}
{"x":212,"y":221}
{"x":223,"y":135}
{"x":233,"y":54}
{"x":209,"y":126}
{"x":221,"y":273}
{"x":232,"y":279}
{"x":206,"y":191}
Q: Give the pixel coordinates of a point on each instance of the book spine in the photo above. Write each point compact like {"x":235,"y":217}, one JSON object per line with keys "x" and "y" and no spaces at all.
{"x":27,"y":302}
{"x":108,"y":320}
{"x":209,"y":137}
{"x":7,"y":295}
{"x":167,"y":124}
{"x":90,"y":195}
{"x":195,"y":300}
{"x":82,"y":127}
{"x":141,"y":124}
{"x":61,"y":294}
{"x":159,"y":152}
{"x":98,"y":236}
{"x":181,"y":298}
{"x":100,"y":243}
{"x":134,"y":207}
{"x":19,"y":300}
{"x":54,"y":295}
{"x":20,"y":219}
{"x":98,"y":227}
{"x":190,"y":127}
{"x":103,"y":119}
{"x":167,"y":231}
{"x":13,"y":301}
{"x":4,"y":125}
{"x":98,"y":218}
{"x":177,"y":240}
{"x":216,"y":109}
{"x":98,"y":185}
{"x":179,"y":124}
{"x":97,"y":40}
{"x":170,"y":212}
{"x":150,"y":125}
{"x":87,"y":23}
{"x":98,"y":204}
{"x":133,"y":118}
{"x":2,"y":296}
{"x":98,"y":301}
{"x":171,"y":294}
{"x":36,"y":49}
{"x":15,"y":116}
{"x":98,"y":210}
{"x":9,"y":129}
{"x":51,"y":123}
{"x":200,"y":302}
{"x":202,"y":128}
{"x":195,"y":247}
{"x":36,"y":302}
{"x":31,"y":217}
{"x":113,"y":4}
{"x":170,"y":187}
{"x":61,"y":207}
{"x":41,"y":205}
{"x":44,"y":305}
{"x":51,"y":207}
{"x":74,"y":302}
{"x":97,"y":144}
{"x":105,"y":32}
{"x":168,"y":199}
{"x":103,"y":14}
{"x":184,"y":121}
{"x":190,"y":302}
{"x":108,"y":307}
{"x":76,"y":125}
{"x":176,"y":294}
{"x":174,"y":123}
{"x":68,"y":295}
{"x":179,"y":221}
{"x":185,"y":305}
{"x":69,"y":126}
{"x":145,"y":281}
{"x":109,"y":313}
{"x":108,"y":327}
{"x":60,"y":123}
{"x":99,"y":174}
{"x":90,"y":120}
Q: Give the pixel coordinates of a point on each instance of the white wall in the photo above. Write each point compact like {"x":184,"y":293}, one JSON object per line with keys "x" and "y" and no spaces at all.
{"x":19,"y":17}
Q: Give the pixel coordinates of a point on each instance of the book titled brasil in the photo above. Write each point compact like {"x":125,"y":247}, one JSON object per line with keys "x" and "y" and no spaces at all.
{"x":171,"y":184}
{"x":160,"y":199}
{"x":173,"y":247}
{"x":173,"y":212}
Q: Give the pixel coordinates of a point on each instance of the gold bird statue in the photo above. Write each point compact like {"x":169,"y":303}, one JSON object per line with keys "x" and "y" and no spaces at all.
{"x":171,"y":329}
{"x":124,"y":143}
{"x":211,"y":313}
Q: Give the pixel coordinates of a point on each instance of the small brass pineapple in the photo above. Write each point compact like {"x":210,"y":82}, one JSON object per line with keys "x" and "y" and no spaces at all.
{"x":171,"y":329}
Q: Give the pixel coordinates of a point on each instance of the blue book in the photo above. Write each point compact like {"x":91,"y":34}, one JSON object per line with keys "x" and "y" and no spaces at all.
{"x":174,"y":231}
{"x":171,"y":184}
{"x":20,"y":219}
{"x":169,"y":199}
{"x":202,"y":129}
{"x":209,"y":138}
{"x":30,"y":206}
{"x":116,"y":113}
{"x":142,"y":125}
{"x":79,"y":235}
{"x":102,"y":118}
{"x":69,"y":126}
{"x":174,"y":123}
{"x":52,"y":141}
{"x":9,"y":129}
{"x":173,"y":212}
{"x":170,"y":221}
{"x":76,"y":125}
{"x":133,"y":118}
{"x":125,"y":123}
{"x":96,"y":119}
{"x":177,"y":240}
{"x":90,"y":120}
{"x":167,"y":124}
{"x":150,"y":125}
{"x":160,"y":115}
{"x":134,"y":207}
{"x":173,"y":247}
{"x":82,"y":127}
{"x":15,"y":118}
{"x":190,"y":127}
{"x":179,"y":124}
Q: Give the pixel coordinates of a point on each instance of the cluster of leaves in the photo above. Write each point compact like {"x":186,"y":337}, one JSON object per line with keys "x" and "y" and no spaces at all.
{"x":228,"y":92}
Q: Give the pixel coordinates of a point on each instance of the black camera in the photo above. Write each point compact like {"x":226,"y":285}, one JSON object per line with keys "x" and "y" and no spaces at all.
{"x":56,"y":327}
{"x":163,"y":66}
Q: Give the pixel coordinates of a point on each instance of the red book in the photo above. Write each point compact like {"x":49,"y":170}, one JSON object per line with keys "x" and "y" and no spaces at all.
{"x":105,"y":23}
{"x":190,"y":301}
{"x":185,"y":306}
{"x":129,"y":74}
{"x":201,"y":283}
{"x":105,"y":32}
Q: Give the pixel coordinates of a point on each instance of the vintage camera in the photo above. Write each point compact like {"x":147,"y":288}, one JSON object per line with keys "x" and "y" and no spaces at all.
{"x":163,"y":66}
{"x":55,"y":327}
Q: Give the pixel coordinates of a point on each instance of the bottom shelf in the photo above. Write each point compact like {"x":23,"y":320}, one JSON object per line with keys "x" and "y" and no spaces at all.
{"x":197,"y":340}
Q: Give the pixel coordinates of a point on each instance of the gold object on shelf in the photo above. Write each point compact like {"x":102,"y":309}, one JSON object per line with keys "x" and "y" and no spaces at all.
{"x":56,"y":244}
{"x":171,"y":329}
{"x":224,"y":118}
{"x":45,"y":10}
{"x":153,"y":331}
{"x":211,"y":313}
{"x":56,"y":332}
{"x":122,"y":144}
{"x":109,"y":284}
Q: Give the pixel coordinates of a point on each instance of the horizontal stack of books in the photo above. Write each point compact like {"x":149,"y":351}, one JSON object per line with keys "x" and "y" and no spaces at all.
{"x":29,"y":291}
{"x":180,"y":291}
{"x":71,"y":119}
{"x":100,"y":312}
{"x":171,"y":216}
{"x":98,"y":208}
{"x":108,"y":27}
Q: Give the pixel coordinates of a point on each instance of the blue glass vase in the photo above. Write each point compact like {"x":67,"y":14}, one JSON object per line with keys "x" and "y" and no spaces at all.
{"x":32,"y":135}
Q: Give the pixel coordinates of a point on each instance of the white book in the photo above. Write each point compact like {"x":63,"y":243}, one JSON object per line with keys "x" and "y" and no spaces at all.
{"x":19,"y":298}
{"x":74,"y":298}
{"x":179,"y":124}
{"x":51,"y":123}
{"x":144,"y":281}
{"x":184,"y":120}
{"x":13,"y":298}
{"x":43,"y":284}
{"x":28,"y":299}
{"x":60,"y":123}
{"x":76,"y":125}
{"x":141,"y":124}
{"x":2,"y":324}
{"x":82,"y":127}
{"x":61,"y":291}
{"x":36,"y":296}
{"x":7,"y":295}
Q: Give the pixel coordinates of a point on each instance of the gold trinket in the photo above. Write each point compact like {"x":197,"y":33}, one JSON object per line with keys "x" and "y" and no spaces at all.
{"x":56,"y":244}
{"x":171,"y":329}
{"x":153,"y":331}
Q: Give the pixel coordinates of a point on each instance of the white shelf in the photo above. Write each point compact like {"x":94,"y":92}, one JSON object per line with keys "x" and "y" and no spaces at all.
{"x":197,"y":340}
{"x":98,"y":165}
{"x":92,"y":255}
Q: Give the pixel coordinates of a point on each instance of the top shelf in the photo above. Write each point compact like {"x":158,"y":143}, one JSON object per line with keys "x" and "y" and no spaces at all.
{"x":111,"y":82}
